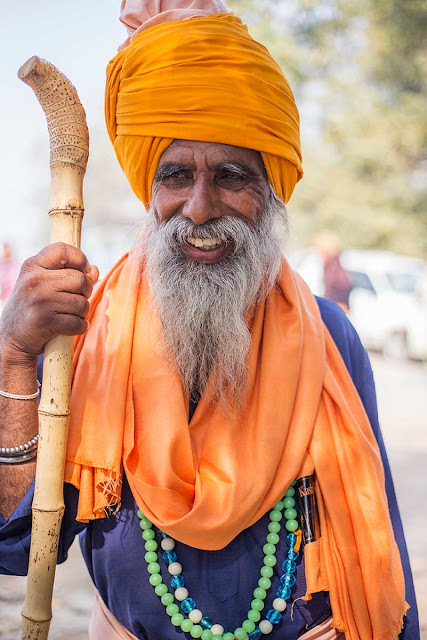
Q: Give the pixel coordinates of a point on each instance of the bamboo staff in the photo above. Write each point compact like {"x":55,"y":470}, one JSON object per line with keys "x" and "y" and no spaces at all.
{"x":69,"y":149}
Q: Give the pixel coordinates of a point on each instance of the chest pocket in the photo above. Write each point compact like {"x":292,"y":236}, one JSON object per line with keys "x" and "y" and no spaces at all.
{"x":223,"y":571}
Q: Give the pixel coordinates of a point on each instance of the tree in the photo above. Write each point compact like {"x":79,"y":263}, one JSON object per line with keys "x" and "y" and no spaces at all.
{"x":358,"y":73}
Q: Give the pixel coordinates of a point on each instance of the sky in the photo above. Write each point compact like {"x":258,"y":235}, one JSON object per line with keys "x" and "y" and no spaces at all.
{"x":79,"y":38}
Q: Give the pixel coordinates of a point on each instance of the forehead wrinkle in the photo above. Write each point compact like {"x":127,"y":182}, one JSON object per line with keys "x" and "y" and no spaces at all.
{"x":212,"y":153}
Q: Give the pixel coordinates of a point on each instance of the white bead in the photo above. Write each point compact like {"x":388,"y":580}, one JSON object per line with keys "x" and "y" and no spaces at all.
{"x":279,"y":604}
{"x":195,"y":616}
{"x":175,"y":568}
{"x":265,"y":627}
{"x":217,"y":629}
{"x":181,"y":593}
{"x":167,"y":544}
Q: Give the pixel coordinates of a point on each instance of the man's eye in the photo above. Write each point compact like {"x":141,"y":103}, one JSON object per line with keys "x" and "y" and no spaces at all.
{"x":230,"y":178}
{"x":179,"y":177}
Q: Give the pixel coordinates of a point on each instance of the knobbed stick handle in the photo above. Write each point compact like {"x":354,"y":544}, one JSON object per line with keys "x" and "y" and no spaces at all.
{"x":66,"y":118}
{"x":69,"y":150}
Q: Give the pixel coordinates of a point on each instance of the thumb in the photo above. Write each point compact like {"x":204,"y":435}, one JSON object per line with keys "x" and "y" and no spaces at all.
{"x":93,"y":274}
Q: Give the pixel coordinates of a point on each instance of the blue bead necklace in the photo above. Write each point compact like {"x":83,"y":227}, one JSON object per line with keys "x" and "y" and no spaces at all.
{"x":190,"y":619}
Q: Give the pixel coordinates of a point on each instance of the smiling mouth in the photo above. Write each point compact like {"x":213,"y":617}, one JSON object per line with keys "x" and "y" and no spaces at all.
{"x":207,"y":250}
{"x":206,"y":244}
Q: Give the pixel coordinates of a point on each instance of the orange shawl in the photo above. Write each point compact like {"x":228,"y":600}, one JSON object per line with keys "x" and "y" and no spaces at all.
{"x":205,"y":481}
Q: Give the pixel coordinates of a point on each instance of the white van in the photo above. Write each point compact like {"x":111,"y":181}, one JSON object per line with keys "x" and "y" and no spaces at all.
{"x":388,"y":303}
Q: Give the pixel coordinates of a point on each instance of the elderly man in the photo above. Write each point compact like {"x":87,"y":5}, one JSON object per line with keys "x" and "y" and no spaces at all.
{"x":213,"y":396}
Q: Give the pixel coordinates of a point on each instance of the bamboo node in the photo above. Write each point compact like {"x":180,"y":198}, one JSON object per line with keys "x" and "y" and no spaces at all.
{"x":59,"y":511}
{"x":49,"y":414}
{"x":75,"y":212}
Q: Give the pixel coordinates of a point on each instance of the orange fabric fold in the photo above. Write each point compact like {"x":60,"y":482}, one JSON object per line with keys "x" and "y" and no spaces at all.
{"x":205,"y":481}
{"x":200,"y":79}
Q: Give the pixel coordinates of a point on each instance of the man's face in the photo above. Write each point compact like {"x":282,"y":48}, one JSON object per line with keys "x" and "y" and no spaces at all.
{"x":211,"y":253}
{"x":205,"y":181}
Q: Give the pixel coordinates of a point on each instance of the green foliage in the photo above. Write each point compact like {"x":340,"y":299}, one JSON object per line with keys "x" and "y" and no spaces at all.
{"x":358,"y":71}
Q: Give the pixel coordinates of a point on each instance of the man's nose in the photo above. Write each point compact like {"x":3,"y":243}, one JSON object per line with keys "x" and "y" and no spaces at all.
{"x":201,"y":204}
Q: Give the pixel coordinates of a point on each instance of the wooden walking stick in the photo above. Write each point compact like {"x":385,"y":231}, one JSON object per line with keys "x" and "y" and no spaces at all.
{"x":69,"y":149}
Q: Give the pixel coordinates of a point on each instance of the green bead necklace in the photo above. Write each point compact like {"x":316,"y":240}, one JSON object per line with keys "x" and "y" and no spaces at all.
{"x":190,"y":619}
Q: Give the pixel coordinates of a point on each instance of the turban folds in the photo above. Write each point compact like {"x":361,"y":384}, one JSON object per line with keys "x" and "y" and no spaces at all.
{"x":201,"y":79}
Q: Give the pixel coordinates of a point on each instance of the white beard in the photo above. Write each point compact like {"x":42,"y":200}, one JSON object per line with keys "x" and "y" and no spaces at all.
{"x":203,"y":307}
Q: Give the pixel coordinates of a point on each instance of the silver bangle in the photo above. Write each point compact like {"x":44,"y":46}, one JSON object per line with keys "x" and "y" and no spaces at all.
{"x":28,"y":455}
{"x":16,"y":396}
{"x":21,"y":450}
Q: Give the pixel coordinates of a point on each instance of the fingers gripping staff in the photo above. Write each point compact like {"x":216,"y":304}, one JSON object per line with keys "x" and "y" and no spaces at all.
{"x":69,"y":149}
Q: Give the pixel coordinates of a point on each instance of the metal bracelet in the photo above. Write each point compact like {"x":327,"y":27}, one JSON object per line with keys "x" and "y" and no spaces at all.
{"x":28,"y":455}
{"x":21,"y":449}
{"x":17,"y":396}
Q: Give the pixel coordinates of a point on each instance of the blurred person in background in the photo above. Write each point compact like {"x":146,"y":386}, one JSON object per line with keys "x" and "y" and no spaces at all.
{"x":216,"y":403}
{"x":336,"y":279}
{"x":8,"y":271}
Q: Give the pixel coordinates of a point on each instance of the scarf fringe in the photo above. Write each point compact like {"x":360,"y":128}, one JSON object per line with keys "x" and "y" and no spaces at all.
{"x":111,"y":490}
{"x":396,"y":628}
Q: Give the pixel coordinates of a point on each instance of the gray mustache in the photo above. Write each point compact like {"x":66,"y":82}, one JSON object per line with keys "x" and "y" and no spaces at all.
{"x":228,"y":228}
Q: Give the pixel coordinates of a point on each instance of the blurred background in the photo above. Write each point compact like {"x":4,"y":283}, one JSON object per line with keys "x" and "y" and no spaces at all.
{"x":359,"y":216}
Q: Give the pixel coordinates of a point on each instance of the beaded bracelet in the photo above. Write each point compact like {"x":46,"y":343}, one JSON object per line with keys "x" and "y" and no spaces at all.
{"x":17,"y":396}
{"x":21,"y":453}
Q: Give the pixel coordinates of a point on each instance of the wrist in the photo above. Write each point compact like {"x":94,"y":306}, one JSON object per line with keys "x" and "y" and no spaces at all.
{"x":13,"y":360}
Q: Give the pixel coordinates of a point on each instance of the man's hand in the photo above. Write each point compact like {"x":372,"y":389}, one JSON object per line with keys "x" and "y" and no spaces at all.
{"x":50,"y":298}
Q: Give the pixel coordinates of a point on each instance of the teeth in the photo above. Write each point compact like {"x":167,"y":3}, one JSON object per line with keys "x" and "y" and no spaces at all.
{"x":205,"y":243}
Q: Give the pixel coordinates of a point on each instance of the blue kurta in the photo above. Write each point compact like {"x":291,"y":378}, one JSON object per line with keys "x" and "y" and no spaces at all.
{"x":221,"y":582}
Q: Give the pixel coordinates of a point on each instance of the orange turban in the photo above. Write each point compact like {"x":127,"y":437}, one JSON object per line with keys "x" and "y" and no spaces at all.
{"x":201,"y":79}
